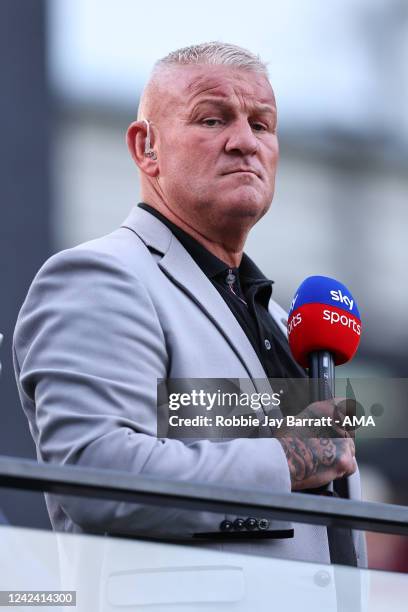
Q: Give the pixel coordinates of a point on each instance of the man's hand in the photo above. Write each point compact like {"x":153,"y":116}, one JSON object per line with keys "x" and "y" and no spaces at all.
{"x":314,"y":462}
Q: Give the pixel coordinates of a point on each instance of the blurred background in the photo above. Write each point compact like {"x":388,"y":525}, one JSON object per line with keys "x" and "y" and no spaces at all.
{"x":72,"y":72}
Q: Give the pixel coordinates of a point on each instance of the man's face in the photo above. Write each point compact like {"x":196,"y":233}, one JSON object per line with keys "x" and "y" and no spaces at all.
{"x":217,"y":145}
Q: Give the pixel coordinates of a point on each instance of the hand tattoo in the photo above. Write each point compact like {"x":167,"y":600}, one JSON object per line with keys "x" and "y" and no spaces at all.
{"x":309,"y":456}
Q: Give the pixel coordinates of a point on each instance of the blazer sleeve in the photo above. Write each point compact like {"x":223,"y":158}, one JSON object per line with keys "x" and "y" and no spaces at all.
{"x":88,"y":350}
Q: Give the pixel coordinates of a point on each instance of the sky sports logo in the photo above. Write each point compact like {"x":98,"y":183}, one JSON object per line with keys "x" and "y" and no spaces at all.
{"x":328,"y":315}
{"x":294,"y":322}
{"x":294,"y":302}
{"x":323,"y":316}
{"x":335,"y":317}
{"x":338,"y":296}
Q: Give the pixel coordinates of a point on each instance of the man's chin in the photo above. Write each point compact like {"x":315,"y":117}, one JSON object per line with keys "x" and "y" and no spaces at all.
{"x":244,"y":207}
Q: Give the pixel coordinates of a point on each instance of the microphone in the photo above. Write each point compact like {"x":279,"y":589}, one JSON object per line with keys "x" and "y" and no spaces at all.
{"x":324,"y":330}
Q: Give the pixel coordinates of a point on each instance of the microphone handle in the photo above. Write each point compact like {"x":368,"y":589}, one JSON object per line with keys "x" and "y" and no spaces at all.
{"x":322,"y":387}
{"x":321,"y":374}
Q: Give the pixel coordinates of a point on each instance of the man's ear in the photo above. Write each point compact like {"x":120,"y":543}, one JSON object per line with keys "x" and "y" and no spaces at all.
{"x":136,"y":141}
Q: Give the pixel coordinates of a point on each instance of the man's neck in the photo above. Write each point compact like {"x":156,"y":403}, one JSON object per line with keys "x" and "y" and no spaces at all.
{"x":231,"y":255}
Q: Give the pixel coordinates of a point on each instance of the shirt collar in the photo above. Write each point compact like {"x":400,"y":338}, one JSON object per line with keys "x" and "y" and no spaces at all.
{"x":211,"y":265}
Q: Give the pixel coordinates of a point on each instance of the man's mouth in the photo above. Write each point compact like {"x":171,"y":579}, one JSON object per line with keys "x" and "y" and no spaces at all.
{"x":243,"y":170}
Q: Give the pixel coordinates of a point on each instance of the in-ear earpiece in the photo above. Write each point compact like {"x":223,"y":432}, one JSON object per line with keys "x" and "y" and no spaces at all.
{"x":149,"y":152}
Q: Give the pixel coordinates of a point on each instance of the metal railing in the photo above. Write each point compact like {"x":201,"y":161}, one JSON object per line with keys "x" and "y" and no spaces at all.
{"x":24,"y":474}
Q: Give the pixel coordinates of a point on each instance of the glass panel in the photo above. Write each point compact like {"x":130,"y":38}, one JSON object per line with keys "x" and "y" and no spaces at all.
{"x":110,"y":573}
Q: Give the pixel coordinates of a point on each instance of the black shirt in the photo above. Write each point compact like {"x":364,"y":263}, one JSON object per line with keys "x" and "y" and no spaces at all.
{"x":246,"y":291}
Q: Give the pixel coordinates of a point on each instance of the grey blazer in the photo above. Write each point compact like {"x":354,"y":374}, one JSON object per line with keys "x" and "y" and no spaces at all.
{"x":100,"y":324}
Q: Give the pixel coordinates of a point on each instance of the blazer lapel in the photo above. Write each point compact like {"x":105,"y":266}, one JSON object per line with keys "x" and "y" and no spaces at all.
{"x":184,"y":272}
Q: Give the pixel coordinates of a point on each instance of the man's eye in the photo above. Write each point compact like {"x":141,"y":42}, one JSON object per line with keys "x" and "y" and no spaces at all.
{"x":259,"y":127}
{"x":211,"y":122}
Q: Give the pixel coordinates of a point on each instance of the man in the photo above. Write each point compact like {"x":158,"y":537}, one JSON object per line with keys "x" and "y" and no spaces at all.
{"x":172,"y":295}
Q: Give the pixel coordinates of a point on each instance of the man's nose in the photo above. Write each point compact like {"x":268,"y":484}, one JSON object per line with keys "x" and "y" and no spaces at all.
{"x":241,"y":138}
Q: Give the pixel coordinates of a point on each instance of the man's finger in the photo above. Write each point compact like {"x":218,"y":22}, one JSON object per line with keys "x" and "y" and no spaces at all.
{"x":352,"y":446}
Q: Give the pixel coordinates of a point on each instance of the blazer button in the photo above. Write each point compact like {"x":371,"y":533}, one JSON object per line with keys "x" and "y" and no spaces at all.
{"x":251,"y":523}
{"x":263,"y":524}
{"x":226,"y":526}
{"x":239,"y":524}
